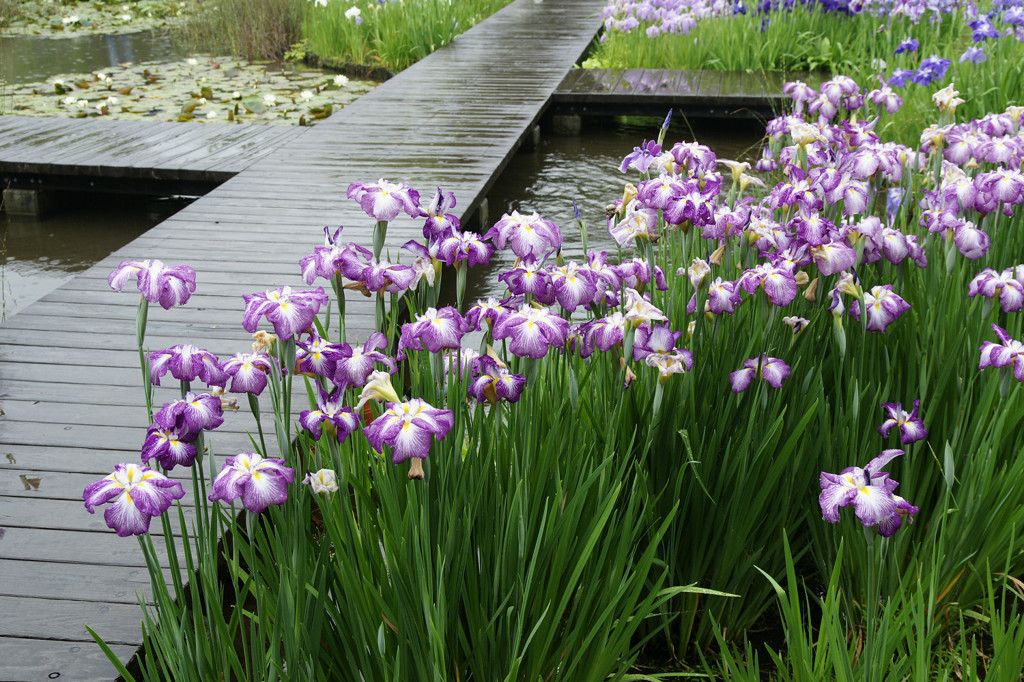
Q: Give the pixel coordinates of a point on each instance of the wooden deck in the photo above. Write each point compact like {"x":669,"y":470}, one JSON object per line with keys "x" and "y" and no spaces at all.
{"x":68,"y":374}
{"x":697,"y":94}
{"x":72,"y":153}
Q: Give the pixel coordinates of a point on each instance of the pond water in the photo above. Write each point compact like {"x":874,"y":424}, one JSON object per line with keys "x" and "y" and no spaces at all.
{"x":585,"y":169}
{"x":37,"y":256}
{"x":25,"y":59}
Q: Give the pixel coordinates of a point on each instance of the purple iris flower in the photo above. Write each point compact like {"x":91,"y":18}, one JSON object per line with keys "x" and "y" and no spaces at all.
{"x":778,"y":283}
{"x":900,"y":77}
{"x":259,"y":482}
{"x":990,"y":284}
{"x":407,"y":427}
{"x":433,"y":330}
{"x":384,"y":200}
{"x":489,"y":311}
{"x":833,"y":257}
{"x":139,"y":494}
{"x":973,"y":54}
{"x":641,"y":157}
{"x":529,"y":276}
{"x":358,"y":265}
{"x":464,"y":246}
{"x":187,"y":363}
{"x":330,"y":415}
{"x":932,"y":69}
{"x":603,"y":334}
{"x":316,"y":356}
{"x":655,"y":345}
{"x":168,"y":286}
{"x":869,"y":490}
{"x":1009,"y":352}
{"x":325,"y":261}
{"x":982,"y":28}
{"x":439,"y":222}
{"x":526,"y":235}
{"x":248,"y":372}
{"x":885,"y":98}
{"x":724,"y":296}
{"x":355,"y":363}
{"x":697,"y":158}
{"x":496,"y":383}
{"x":638,"y":222}
{"x":290,"y":311}
{"x":883,"y":307}
{"x":970,"y":241}
{"x":910,"y":425}
{"x":772,"y":370}
{"x":190,"y":415}
{"x":907,"y":45}
{"x":532,"y":331}
{"x":573,"y":285}
{"x":168,"y":448}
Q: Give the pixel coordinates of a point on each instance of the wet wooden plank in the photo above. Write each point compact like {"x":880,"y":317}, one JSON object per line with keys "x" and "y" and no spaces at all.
{"x":46,"y":659}
{"x":73,"y":414}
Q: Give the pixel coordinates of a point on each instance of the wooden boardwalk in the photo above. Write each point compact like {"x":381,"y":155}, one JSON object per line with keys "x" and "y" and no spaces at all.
{"x":68,"y":374}
{"x":697,"y":94}
{"x":71,"y":153}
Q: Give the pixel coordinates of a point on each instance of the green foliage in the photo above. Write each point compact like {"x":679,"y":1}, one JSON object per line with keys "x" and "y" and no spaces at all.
{"x":393,"y":34}
{"x":253,"y":30}
{"x":827,"y":43}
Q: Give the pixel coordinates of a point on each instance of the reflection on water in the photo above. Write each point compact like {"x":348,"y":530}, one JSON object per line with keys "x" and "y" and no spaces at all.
{"x":586,"y":169}
{"x":37,"y":256}
{"x":24,"y":59}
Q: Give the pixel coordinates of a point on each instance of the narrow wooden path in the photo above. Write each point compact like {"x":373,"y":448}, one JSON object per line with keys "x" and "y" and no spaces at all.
{"x":68,"y":373}
{"x":73,"y":152}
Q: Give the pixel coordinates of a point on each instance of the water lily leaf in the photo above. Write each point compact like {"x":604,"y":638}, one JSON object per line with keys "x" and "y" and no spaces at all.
{"x":207,"y":93}
{"x":125,"y":91}
{"x":185,"y":117}
{"x":189,"y":108}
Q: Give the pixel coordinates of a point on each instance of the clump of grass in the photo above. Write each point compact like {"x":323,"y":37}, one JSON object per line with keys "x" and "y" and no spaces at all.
{"x":254,"y":30}
{"x":391,"y":34}
{"x":9,"y":10}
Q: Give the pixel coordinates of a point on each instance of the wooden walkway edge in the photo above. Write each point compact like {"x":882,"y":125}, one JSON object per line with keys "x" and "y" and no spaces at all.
{"x":68,"y":375}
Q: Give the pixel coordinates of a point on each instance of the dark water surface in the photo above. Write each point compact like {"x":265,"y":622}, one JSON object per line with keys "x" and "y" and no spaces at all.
{"x":585,"y":168}
{"x":25,"y":59}
{"x":37,"y":256}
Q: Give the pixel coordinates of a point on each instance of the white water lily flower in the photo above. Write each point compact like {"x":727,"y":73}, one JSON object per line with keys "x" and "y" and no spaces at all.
{"x":82,"y":103}
{"x":192,"y":61}
{"x":269,"y":100}
{"x":212,"y":114}
{"x":236,"y":95}
{"x":73,"y":19}
{"x":111,"y":101}
{"x":68,"y":101}
{"x":126,"y":17}
{"x":306,"y":95}
{"x":340,"y":81}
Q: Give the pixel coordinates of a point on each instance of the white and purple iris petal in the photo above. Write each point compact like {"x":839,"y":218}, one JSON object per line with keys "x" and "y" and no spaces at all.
{"x":191,"y":414}
{"x":384,"y":200}
{"x":248,"y":372}
{"x":259,"y":482}
{"x":1005,"y":285}
{"x":772,"y":370}
{"x":526,"y":235}
{"x":407,"y":427}
{"x":1009,"y":352}
{"x":869,"y":490}
{"x":434,"y":329}
{"x":496,"y":383}
{"x":158,"y":283}
{"x":883,"y":307}
{"x":911,"y":426}
{"x":187,"y":363}
{"x":355,"y":364}
{"x":331,"y":416}
{"x":168,"y":447}
{"x":532,"y":331}
{"x":138,"y":492}
{"x":290,"y":311}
